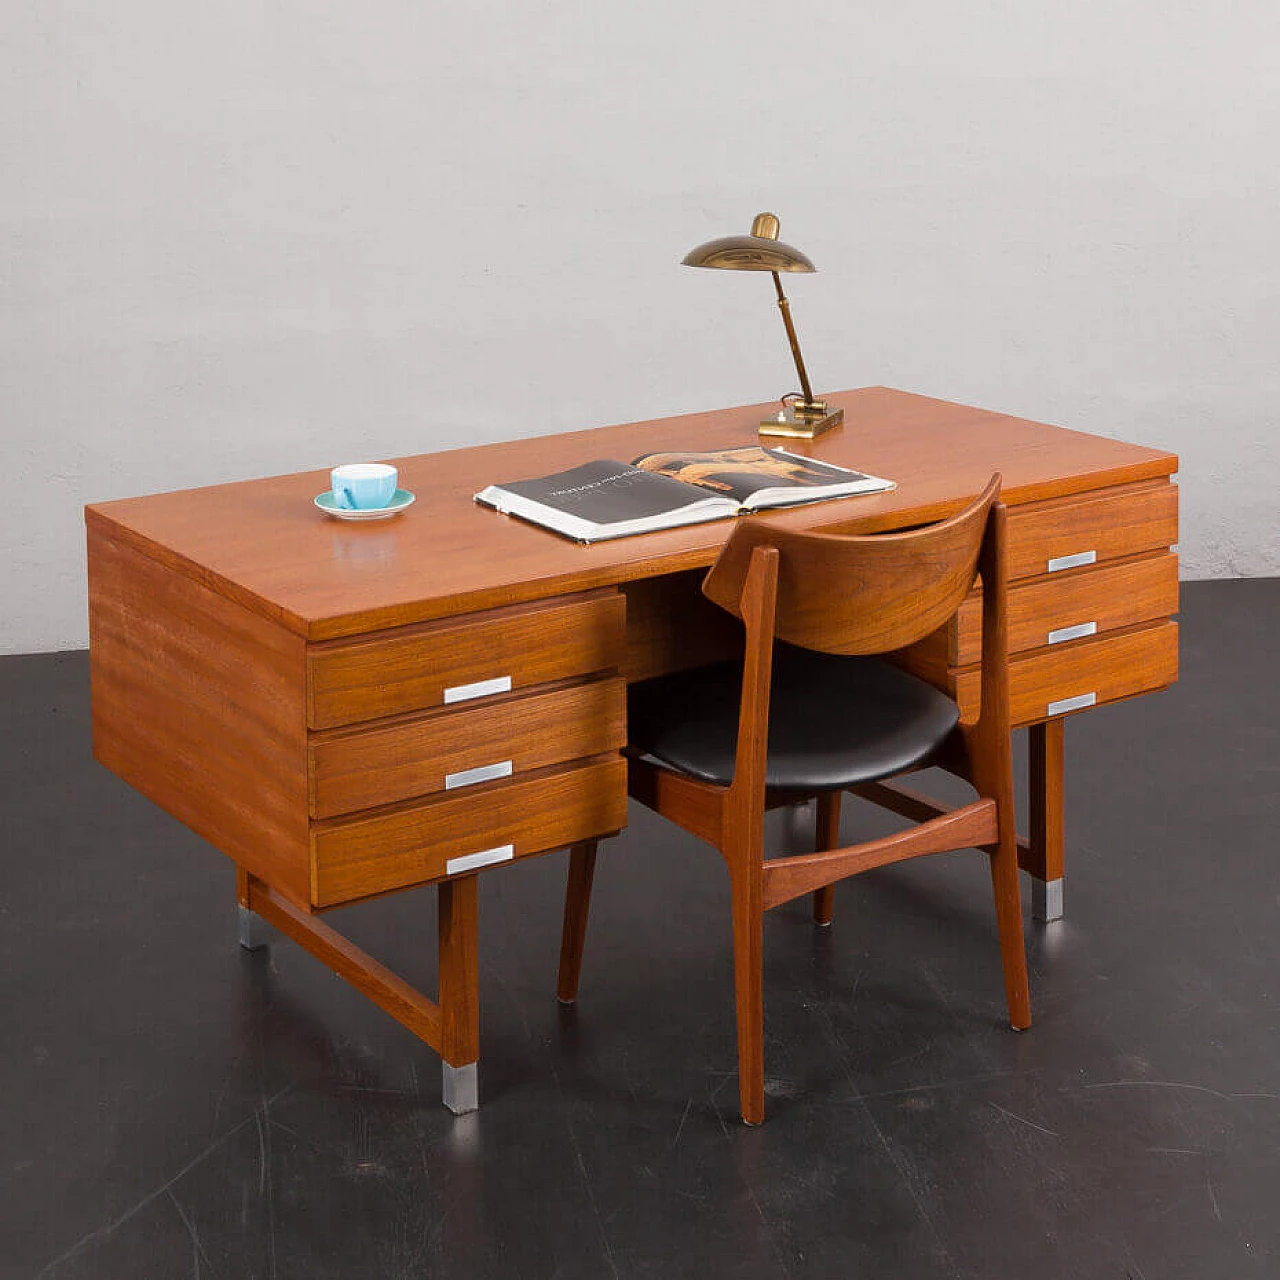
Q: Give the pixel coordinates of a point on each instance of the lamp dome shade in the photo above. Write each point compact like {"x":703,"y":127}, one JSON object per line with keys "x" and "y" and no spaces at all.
{"x":759,"y":251}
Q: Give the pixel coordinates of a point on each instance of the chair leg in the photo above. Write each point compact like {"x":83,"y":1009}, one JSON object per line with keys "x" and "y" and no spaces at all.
{"x":1013,"y":952}
{"x":748,"y":975}
{"x":824,"y":905}
{"x":577,"y":903}
{"x":827,"y":836}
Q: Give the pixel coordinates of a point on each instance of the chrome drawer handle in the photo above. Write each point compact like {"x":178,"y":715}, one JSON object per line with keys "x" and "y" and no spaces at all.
{"x":1080,"y":701}
{"x":485,"y":858}
{"x":482,"y":773}
{"x":1059,"y":634}
{"x":481,"y":689}
{"x":1072,"y":562}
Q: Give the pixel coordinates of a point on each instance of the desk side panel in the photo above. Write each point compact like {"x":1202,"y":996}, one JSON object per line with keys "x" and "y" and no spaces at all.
{"x":672,"y":626}
{"x":201,"y":706}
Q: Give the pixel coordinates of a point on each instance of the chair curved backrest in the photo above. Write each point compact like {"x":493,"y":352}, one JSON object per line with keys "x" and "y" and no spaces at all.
{"x":859,"y":594}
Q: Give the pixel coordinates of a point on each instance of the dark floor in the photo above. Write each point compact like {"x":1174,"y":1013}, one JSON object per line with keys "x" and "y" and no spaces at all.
{"x":174,"y":1106}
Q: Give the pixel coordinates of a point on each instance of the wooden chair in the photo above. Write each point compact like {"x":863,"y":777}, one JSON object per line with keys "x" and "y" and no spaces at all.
{"x":809,"y":712}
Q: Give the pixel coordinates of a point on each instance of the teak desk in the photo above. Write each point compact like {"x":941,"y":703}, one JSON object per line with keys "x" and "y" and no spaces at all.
{"x":347,"y":710}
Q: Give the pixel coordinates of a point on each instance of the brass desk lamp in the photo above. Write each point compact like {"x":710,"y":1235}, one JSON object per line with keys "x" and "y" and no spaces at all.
{"x":802,"y":416}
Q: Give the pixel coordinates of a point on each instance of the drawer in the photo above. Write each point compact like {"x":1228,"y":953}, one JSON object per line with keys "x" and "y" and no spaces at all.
{"x":460,"y":659}
{"x":452,"y":834}
{"x":1084,"y":673}
{"x":1059,"y":608}
{"x":397,"y":760}
{"x":1088,"y":529}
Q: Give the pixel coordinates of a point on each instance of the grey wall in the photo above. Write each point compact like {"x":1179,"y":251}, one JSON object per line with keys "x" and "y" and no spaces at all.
{"x":248,"y":237}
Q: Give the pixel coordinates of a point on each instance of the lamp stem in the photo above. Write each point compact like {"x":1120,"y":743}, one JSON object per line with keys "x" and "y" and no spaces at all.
{"x":785,"y":307}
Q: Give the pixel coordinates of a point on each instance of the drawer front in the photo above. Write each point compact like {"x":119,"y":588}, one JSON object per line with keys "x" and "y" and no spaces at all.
{"x":1082,"y":674}
{"x":463,"y":659}
{"x":359,"y":768}
{"x":453,"y":834}
{"x":1106,"y":525}
{"x":1059,"y":608}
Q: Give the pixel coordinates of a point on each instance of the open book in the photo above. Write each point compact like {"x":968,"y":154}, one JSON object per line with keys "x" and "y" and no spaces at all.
{"x":608,"y":499}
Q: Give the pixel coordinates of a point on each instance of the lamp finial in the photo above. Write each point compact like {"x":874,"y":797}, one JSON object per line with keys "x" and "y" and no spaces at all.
{"x":766,"y":226}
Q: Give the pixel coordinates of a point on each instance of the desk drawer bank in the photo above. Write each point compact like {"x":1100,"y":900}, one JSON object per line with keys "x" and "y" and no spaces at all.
{"x":336,"y":771}
{"x":345,"y":769}
{"x":1093,"y":582}
{"x":354,"y":710}
{"x":1093,"y":587}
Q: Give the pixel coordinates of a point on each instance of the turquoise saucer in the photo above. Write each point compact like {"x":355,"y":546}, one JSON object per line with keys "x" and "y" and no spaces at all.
{"x":401,"y":499}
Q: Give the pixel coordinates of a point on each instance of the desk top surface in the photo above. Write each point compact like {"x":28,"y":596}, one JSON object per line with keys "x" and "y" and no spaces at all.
{"x":264,"y":544}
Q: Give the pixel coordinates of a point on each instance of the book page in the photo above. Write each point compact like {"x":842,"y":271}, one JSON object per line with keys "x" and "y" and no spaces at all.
{"x":600,"y":493}
{"x":740,"y":473}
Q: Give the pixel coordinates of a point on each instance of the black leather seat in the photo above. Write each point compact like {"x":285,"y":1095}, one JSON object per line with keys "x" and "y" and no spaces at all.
{"x":834,"y":721}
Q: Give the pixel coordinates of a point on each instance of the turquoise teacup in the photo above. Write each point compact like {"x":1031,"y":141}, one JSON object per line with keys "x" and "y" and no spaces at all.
{"x":363,"y":486}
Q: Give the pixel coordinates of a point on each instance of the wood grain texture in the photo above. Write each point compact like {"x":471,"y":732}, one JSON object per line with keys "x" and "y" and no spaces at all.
{"x":742,"y":841}
{"x":411,"y":844}
{"x":1046,"y":765}
{"x":387,"y":990}
{"x":1112,"y":596}
{"x":410,"y":668}
{"x":243,"y":881}
{"x":573,"y":932}
{"x":672,"y":626}
{"x":696,"y":806}
{"x":919,"y":807}
{"x":369,"y":765}
{"x":1111,"y":523}
{"x":1114,"y":666}
{"x":826,"y":836}
{"x":786,"y":878}
{"x":988,"y":763}
{"x":850,"y":594}
{"x":263,"y":543}
{"x":458,"y":947}
{"x":199,"y":704}
{"x":905,"y":802}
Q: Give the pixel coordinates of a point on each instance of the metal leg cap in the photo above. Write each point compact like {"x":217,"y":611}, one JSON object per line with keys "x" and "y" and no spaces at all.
{"x":461,"y":1088}
{"x":1046,"y":899}
{"x":253,"y":930}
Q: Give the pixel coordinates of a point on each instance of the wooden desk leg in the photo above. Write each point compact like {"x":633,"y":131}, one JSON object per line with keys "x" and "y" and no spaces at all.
{"x":452,"y":1027}
{"x":253,"y":928}
{"x":577,"y":904}
{"x":1046,"y":764}
{"x":459,"y":994}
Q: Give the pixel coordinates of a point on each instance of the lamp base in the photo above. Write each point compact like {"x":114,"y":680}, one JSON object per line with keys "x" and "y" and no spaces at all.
{"x":801,"y":421}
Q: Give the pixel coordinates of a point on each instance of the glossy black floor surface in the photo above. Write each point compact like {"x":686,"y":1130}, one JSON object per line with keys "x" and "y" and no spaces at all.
{"x":172,"y":1106}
